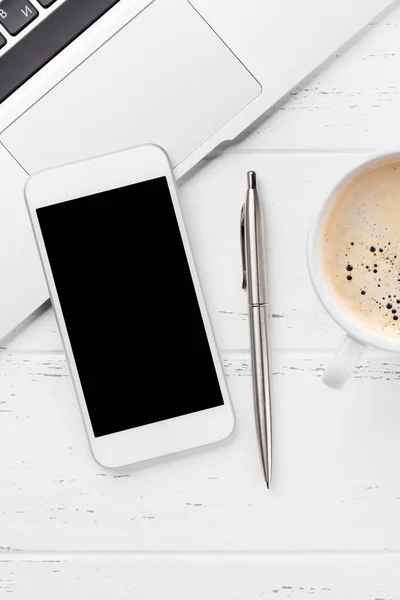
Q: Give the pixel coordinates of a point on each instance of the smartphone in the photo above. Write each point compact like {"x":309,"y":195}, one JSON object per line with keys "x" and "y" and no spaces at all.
{"x":129,"y":306}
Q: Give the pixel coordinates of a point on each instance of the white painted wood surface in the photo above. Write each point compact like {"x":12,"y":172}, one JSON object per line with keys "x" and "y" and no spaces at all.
{"x":333,"y":488}
{"x":331,"y":522}
{"x":197,"y":577}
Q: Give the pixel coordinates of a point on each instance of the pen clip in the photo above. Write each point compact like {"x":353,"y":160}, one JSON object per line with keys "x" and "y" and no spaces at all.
{"x":243,"y":248}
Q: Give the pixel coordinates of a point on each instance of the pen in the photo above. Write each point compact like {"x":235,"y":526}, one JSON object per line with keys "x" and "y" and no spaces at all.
{"x":254,"y":279}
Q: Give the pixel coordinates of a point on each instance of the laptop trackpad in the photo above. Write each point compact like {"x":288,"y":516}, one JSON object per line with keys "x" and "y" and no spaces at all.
{"x":166,"y":78}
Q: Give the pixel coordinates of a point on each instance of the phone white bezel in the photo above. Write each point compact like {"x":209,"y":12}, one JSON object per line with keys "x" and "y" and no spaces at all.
{"x":90,"y":177}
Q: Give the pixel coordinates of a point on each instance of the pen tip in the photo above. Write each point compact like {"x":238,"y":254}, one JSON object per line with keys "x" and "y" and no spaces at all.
{"x":267,"y":474}
{"x":251,"y":180}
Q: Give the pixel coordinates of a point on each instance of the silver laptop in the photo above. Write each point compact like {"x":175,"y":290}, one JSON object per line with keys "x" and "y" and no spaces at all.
{"x":84,"y":77}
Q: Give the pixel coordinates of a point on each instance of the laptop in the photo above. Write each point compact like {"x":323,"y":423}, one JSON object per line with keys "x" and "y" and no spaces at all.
{"x":80,"y":78}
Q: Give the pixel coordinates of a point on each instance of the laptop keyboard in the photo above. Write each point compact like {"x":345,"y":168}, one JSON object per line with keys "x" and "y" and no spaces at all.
{"x":32,"y":32}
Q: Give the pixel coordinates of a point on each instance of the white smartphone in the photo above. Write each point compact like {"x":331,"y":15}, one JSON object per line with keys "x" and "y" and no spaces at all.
{"x":129,"y":306}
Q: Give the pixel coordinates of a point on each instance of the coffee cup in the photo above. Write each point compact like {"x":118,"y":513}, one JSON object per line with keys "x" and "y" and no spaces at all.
{"x":354,"y":261}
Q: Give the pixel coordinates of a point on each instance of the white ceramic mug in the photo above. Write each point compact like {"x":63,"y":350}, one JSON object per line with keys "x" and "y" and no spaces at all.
{"x":358,"y":336}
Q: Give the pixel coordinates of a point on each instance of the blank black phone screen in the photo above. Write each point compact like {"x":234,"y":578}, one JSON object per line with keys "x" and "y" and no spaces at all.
{"x":130,"y":306}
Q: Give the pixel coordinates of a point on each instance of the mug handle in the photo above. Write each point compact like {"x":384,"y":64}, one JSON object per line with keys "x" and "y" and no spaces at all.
{"x":342,"y":365}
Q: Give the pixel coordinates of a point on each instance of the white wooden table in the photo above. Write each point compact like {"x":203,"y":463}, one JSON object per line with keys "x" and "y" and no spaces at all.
{"x":202,"y":525}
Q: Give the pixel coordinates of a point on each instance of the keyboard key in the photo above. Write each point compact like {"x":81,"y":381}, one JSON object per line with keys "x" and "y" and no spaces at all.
{"x":15,"y":15}
{"x":46,"y":40}
{"x":3,"y":41}
{"x":46,"y":3}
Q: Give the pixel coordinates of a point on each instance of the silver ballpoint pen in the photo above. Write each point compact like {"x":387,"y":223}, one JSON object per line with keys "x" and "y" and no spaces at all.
{"x":254,"y":279}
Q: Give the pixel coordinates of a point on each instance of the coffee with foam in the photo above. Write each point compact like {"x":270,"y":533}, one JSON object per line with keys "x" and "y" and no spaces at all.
{"x":361,"y":248}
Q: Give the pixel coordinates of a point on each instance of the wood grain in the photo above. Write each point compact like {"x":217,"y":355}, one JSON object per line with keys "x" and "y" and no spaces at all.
{"x":349,"y":103}
{"x":182,"y":578}
{"x":334,"y":484}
